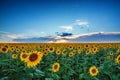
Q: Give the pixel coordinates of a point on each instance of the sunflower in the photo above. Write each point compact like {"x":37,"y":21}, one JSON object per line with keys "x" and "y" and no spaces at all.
{"x":41,"y":47}
{"x":6,"y":46}
{"x":93,"y":71}
{"x":24,"y":51}
{"x":71,"y":54}
{"x":79,"y":51}
{"x":11,"y":49}
{"x":86,"y":46}
{"x":55,"y":67}
{"x":79,"y":47}
{"x":4,"y":49}
{"x":22,"y":47}
{"x":14,"y":56}
{"x":33,"y":59}
{"x":46,"y":49}
{"x":64,"y":52}
{"x":117,"y":59}
{"x":88,"y":51}
{"x":111,"y":53}
{"x":58,"y":51}
{"x":94,"y":50}
{"x":45,"y":53}
{"x":51,"y":49}
{"x":70,"y":47}
{"x":17,"y":50}
{"x":16,"y":46}
{"x":23,"y":56}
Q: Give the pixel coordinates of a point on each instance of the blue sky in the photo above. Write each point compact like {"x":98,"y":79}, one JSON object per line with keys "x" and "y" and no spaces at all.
{"x":45,"y":17}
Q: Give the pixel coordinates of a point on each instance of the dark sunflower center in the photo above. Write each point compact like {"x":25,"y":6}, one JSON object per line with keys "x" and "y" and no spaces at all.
{"x":6,"y":46}
{"x":93,"y":71}
{"x":33,"y":57}
{"x":119,"y":58}
{"x":56,"y":66}
{"x":24,"y":56}
{"x":87,"y":51}
{"x":4,"y":49}
{"x":70,"y":54}
{"x":86,"y":45}
{"x":15,"y":55}
{"x":51,"y":49}
{"x":45,"y":52}
{"x":64,"y":52}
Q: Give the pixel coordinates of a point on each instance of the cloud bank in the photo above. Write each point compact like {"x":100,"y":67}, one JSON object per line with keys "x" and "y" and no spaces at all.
{"x":91,"y":37}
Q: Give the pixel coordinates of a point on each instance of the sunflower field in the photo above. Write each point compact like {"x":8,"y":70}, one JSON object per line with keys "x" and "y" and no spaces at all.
{"x":59,"y":61}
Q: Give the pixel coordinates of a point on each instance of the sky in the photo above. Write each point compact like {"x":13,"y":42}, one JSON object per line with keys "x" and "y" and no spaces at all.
{"x":35,"y":18}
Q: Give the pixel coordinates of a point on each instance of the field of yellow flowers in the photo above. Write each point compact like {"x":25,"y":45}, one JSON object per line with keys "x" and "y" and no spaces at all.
{"x":59,"y":61}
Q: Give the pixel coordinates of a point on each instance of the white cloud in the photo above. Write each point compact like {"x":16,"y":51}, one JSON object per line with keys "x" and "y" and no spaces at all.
{"x":12,"y":36}
{"x":43,"y":33}
{"x":62,"y":41}
{"x":72,"y":37}
{"x":31,"y":33}
{"x":67,"y":28}
{"x":58,"y":41}
{"x":77,"y":23}
{"x":58,"y":37}
{"x":111,"y":33}
{"x":81,"y":23}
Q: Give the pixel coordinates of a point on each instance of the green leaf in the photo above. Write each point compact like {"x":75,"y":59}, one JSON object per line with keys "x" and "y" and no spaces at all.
{"x":71,"y":70}
{"x":95,"y":78}
{"x":4,"y":78}
{"x":31,"y":74}
{"x":81,"y":76}
{"x":118,"y":67}
{"x":48,"y":78}
{"x":38,"y":73}
{"x":66,"y":77}
{"x":55,"y":76}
